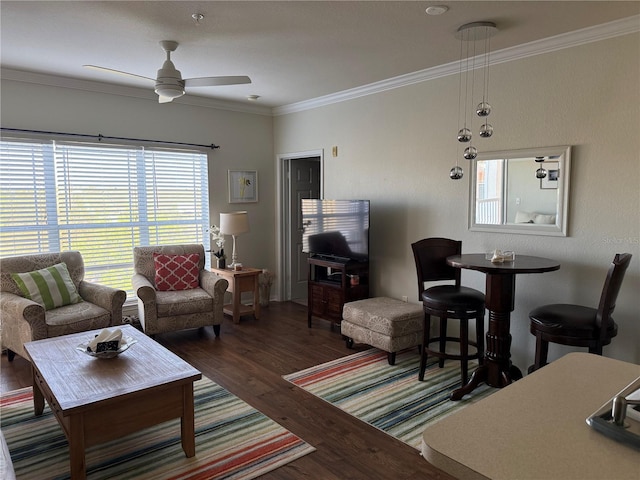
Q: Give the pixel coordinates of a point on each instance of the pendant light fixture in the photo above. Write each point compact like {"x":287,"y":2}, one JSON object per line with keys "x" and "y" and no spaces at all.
{"x":541,"y":172}
{"x":472,"y":34}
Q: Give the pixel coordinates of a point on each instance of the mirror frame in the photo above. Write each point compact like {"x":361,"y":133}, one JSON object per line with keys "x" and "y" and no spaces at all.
{"x":562,"y":206}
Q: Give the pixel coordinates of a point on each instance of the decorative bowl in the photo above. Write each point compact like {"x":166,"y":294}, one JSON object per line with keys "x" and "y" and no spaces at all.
{"x":125,"y":343}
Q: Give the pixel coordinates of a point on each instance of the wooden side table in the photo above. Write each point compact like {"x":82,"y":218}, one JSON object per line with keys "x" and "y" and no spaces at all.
{"x":245,"y":280}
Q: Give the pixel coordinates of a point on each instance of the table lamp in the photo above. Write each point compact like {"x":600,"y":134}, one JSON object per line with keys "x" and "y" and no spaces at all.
{"x":234,"y":223}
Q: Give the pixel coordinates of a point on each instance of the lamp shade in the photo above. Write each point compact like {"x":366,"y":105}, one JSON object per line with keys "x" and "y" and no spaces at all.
{"x":234,"y":223}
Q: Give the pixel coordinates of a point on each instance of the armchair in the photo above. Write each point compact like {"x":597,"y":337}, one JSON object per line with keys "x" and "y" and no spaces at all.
{"x":170,"y":310}
{"x":24,"y":320}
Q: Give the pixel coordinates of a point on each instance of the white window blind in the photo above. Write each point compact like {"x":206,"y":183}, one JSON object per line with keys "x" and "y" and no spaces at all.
{"x":101,"y":200}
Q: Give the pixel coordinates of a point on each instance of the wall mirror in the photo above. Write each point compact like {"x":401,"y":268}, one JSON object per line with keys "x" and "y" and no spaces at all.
{"x":508,"y":196}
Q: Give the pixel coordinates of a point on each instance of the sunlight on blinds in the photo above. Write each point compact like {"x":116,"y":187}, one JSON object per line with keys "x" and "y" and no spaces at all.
{"x":101,"y":200}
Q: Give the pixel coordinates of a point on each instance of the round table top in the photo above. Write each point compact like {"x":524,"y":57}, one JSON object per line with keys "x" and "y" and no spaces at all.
{"x":521,"y":264}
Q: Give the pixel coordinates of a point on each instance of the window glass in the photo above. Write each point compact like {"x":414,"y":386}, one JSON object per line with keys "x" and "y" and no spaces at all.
{"x":101,"y":200}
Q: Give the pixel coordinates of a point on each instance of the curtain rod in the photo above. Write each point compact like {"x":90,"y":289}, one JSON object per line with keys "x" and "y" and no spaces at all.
{"x":101,"y":137}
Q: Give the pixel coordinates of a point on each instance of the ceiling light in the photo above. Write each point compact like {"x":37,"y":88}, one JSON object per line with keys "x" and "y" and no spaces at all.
{"x":541,"y":173}
{"x":197,"y":17}
{"x":169,"y":90}
{"x":472,"y":33}
{"x":253,"y":97}
{"x":436,"y":9}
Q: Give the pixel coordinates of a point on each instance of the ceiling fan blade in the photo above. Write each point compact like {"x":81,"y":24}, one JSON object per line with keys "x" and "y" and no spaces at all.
{"x":216,"y":81}
{"x":111,"y":70}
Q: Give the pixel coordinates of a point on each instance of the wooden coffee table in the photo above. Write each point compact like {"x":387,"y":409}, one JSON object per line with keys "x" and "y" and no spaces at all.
{"x":96,"y":400}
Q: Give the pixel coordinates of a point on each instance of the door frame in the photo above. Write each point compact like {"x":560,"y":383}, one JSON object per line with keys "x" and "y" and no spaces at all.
{"x":283,"y":251}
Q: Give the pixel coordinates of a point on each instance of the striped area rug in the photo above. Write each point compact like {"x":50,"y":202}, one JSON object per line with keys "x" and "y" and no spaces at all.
{"x":389,"y":397}
{"x":233,"y":441}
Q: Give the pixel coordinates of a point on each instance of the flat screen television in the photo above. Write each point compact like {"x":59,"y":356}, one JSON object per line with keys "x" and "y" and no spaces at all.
{"x":336,"y":229}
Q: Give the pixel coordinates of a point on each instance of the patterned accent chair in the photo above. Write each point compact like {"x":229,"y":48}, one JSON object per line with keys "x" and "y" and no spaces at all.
{"x":24,"y":320}
{"x":167,"y":311}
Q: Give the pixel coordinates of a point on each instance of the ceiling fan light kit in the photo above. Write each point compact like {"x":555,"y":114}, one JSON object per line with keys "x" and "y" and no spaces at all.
{"x":168,"y":91}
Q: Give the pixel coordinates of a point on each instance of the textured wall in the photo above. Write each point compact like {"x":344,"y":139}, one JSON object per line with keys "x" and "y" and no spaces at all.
{"x":246,"y":142}
{"x":396,"y":149}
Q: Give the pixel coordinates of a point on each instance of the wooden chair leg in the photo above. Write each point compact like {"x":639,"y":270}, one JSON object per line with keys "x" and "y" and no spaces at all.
{"x":597,"y":349}
{"x":216,"y":330}
{"x":443,"y":339}
{"x":542,"y":350}
{"x":480,"y":338}
{"x":464,"y":350}
{"x":426,"y":328}
{"x":10,"y":355}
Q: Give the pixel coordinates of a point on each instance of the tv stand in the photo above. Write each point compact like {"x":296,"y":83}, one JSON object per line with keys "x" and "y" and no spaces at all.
{"x":332,"y":258}
{"x":332,"y":283}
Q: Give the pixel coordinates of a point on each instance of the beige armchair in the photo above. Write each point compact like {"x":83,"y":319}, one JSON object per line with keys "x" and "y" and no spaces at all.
{"x":24,"y":320}
{"x":166,"y":311}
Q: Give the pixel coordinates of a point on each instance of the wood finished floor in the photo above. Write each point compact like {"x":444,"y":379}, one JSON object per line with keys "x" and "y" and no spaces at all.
{"x":249,"y":360}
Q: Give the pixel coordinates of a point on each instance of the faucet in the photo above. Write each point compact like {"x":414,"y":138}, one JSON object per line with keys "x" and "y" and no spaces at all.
{"x":619,"y":409}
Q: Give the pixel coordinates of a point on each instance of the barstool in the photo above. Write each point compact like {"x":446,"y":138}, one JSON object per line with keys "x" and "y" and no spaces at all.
{"x":578,"y":325}
{"x":447,"y":302}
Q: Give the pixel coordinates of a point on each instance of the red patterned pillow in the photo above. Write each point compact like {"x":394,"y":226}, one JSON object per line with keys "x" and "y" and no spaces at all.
{"x":176,"y":272}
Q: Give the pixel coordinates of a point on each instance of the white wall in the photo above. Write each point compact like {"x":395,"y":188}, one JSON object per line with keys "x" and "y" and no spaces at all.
{"x":246,"y":143}
{"x":396,"y":148}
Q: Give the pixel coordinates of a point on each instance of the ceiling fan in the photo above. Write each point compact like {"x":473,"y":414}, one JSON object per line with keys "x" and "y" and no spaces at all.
{"x":169,"y":83}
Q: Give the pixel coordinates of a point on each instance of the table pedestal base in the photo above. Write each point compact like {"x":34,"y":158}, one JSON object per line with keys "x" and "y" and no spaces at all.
{"x":496,"y":369}
{"x":482,"y":374}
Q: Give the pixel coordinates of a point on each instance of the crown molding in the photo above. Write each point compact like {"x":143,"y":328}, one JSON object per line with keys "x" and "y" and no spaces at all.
{"x":143,"y":93}
{"x":583,"y":36}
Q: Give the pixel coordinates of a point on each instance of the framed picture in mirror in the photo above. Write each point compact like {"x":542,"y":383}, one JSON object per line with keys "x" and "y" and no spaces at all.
{"x":553,"y":174}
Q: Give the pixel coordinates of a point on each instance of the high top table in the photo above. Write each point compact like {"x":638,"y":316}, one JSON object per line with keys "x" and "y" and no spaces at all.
{"x":96,"y":400}
{"x":497,"y":369}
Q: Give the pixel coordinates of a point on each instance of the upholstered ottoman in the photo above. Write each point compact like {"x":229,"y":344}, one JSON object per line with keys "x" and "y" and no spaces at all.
{"x":385,"y":323}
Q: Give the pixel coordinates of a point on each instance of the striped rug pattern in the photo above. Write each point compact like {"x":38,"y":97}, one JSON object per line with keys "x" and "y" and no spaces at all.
{"x":389,"y":397}
{"x":233,"y":441}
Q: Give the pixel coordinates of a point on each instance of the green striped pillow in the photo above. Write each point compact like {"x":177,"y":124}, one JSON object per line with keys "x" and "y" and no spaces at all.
{"x":51,"y":287}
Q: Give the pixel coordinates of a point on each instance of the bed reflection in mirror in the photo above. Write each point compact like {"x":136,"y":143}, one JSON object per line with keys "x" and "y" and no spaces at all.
{"x":521,"y":191}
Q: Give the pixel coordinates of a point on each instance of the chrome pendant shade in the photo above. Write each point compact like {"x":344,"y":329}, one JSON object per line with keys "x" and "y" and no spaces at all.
{"x":540,"y":172}
{"x":456,"y":173}
{"x":472,"y":34}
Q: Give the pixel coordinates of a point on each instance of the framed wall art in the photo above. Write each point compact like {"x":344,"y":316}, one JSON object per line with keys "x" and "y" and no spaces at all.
{"x":243,"y":186}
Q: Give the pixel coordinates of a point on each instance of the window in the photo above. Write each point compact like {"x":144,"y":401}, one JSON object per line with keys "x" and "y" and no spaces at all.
{"x":101,"y":200}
